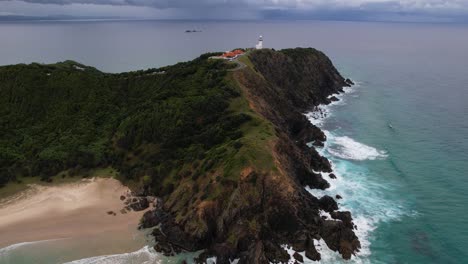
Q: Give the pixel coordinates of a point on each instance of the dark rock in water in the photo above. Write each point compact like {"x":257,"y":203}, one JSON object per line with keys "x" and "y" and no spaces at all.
{"x":318,"y":162}
{"x":139,"y":204}
{"x":328,"y":204}
{"x":340,"y":238}
{"x":318,"y":143}
{"x":301,"y":242}
{"x":298,"y":257}
{"x":311,"y":252}
{"x":332,"y":176}
{"x":338,"y":196}
{"x":274,"y":251}
{"x":349,"y":82}
{"x":334,"y":99}
{"x":166,"y":249}
{"x":345,"y":217}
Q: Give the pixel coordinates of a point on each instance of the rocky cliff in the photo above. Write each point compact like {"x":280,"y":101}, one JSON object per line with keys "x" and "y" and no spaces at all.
{"x":265,"y":207}
{"x":223,"y":148}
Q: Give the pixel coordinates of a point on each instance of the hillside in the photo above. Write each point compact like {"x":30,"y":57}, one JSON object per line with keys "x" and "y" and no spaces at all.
{"x":224,"y":150}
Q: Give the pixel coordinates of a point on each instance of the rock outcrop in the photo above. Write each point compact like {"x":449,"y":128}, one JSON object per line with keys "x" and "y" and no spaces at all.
{"x":265,"y":209}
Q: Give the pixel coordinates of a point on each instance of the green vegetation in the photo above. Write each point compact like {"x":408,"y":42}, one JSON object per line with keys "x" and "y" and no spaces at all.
{"x":157,"y":128}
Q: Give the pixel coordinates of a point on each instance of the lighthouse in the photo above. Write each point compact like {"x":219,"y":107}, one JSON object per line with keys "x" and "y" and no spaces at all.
{"x":260,"y":43}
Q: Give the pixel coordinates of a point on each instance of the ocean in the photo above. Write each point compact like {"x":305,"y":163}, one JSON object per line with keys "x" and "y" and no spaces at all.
{"x":398,"y":140}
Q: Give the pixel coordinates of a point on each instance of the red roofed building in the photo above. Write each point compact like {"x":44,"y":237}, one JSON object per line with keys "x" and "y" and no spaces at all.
{"x":232,"y":54}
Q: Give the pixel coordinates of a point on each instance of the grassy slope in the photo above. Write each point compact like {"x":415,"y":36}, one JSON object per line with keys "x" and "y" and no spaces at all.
{"x":73,"y":118}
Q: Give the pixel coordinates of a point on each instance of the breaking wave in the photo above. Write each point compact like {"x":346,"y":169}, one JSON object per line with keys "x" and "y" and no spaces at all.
{"x":346,"y":148}
{"x":361,"y":194}
{"x":146,"y":255}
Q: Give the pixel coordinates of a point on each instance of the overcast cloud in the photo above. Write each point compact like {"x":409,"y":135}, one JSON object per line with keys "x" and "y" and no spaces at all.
{"x":432,"y":10}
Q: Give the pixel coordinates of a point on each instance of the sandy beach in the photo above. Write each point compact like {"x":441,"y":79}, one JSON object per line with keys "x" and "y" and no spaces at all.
{"x":73,"y":212}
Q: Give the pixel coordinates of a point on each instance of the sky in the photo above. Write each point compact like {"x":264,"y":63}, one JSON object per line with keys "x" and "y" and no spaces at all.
{"x":361,"y":10}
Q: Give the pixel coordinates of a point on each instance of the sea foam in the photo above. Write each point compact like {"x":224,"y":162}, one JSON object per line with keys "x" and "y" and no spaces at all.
{"x":146,"y":255}
{"x":347,"y":148}
{"x":361,"y":195}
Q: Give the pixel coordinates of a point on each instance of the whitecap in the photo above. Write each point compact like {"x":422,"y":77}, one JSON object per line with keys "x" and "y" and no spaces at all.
{"x":323,"y":112}
{"x":361,"y":194}
{"x":347,"y":148}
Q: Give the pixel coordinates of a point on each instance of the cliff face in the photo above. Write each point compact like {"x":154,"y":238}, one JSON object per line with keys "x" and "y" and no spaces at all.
{"x":266,"y":208}
{"x":224,"y":150}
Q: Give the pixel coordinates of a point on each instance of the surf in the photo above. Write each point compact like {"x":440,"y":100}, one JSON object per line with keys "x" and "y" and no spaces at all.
{"x":354,"y":182}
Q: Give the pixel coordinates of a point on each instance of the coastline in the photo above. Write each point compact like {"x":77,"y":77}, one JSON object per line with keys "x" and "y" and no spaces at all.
{"x":202,"y":213}
{"x":75,"y":213}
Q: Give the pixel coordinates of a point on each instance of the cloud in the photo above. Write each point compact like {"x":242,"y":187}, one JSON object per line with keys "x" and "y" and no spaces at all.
{"x":312,"y":9}
{"x":267,"y":4}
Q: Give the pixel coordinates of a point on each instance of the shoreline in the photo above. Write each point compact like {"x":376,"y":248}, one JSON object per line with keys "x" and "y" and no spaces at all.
{"x":72,"y":212}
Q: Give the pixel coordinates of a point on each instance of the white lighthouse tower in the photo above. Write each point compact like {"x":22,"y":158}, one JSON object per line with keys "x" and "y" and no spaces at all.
{"x":260,"y":43}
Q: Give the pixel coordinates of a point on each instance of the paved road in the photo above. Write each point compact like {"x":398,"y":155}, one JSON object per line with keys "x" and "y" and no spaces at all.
{"x":240,"y":65}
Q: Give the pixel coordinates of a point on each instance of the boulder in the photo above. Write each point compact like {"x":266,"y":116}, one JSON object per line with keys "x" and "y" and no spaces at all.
{"x":349,"y":82}
{"x":328,"y":204}
{"x":345,"y":217}
{"x":339,"y":237}
{"x":298,"y":257}
{"x":312,"y":253}
{"x":318,"y":143}
{"x":139,"y":204}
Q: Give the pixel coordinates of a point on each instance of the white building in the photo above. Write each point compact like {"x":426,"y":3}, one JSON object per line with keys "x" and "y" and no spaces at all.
{"x":260,"y":43}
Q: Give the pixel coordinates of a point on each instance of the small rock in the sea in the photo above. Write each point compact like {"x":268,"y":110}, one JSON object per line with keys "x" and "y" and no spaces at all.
{"x":332,"y":176}
{"x":328,"y":204}
{"x":298,"y":257}
{"x":318,"y":143}
{"x":338,"y":196}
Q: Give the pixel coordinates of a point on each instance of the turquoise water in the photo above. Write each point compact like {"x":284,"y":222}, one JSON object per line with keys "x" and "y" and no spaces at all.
{"x":411,"y":192}
{"x":398,"y":140}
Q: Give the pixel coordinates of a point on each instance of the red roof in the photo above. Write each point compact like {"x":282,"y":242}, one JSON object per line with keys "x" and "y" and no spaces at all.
{"x":231,"y":54}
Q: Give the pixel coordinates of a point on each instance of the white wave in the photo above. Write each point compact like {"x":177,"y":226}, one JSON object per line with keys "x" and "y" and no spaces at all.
{"x":323,"y":112}
{"x":347,"y":148}
{"x":361,"y":194}
{"x":6,"y":250}
{"x":362,"y":197}
{"x":146,"y":255}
